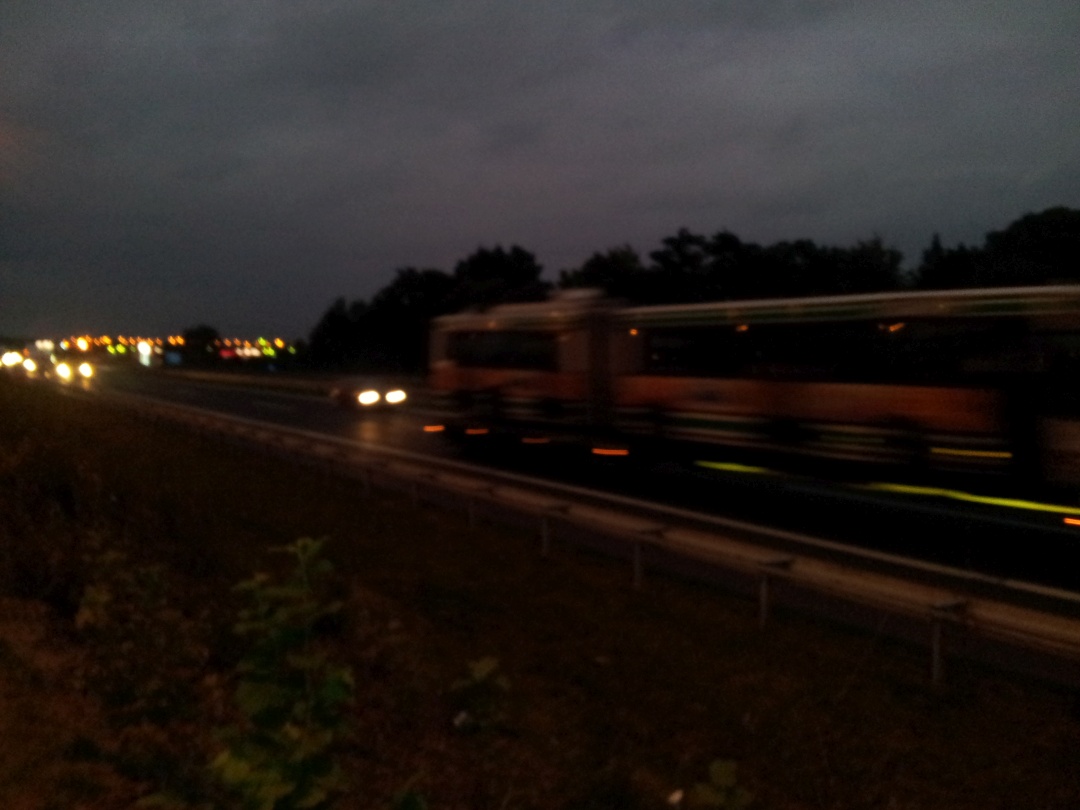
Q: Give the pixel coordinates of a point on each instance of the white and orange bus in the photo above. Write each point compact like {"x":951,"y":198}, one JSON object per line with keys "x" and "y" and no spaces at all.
{"x":978,"y":380}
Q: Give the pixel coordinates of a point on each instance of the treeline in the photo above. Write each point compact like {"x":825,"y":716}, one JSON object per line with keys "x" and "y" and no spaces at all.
{"x":389,"y":332}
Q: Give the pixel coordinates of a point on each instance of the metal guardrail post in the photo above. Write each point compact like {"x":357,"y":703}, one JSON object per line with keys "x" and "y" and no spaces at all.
{"x":763,"y":600}
{"x":935,"y":651}
{"x":545,"y":528}
{"x":768,"y":568}
{"x":941,"y":612}
{"x":649,"y":535}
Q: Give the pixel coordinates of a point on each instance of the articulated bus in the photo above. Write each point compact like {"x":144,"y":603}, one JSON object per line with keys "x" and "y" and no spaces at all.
{"x":965,"y":380}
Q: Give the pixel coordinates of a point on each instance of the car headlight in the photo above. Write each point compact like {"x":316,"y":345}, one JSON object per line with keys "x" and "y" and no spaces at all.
{"x":86,"y":370}
{"x":64,"y":371}
{"x":396,"y":396}
{"x":29,"y":365}
{"x":368,"y":397}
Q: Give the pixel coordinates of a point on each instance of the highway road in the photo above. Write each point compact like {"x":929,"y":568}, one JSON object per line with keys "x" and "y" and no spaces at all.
{"x":982,"y":528}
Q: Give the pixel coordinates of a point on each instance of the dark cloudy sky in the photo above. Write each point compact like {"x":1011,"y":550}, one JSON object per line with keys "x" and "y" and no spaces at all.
{"x":244,"y":163}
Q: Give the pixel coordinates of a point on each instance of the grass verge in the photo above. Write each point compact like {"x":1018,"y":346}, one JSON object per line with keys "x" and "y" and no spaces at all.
{"x":485,"y":675}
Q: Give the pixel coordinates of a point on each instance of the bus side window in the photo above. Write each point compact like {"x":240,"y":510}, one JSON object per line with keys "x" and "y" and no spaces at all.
{"x":505,"y":349}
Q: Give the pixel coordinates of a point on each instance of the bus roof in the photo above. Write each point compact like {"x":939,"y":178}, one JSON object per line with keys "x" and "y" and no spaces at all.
{"x":1000,"y":301}
{"x":566,"y":309}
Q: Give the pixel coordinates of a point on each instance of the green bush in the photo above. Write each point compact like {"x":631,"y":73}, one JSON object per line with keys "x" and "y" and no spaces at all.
{"x":479,"y":698}
{"x":148,"y":655}
{"x":721,"y":791}
{"x":291,"y":698}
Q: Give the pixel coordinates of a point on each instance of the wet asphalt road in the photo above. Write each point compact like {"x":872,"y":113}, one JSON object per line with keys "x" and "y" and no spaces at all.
{"x":991,"y":538}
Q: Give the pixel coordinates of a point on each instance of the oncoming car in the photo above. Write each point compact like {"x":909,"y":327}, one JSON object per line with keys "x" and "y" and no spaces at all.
{"x":41,"y":365}
{"x":67,"y":372}
{"x":367,"y":393}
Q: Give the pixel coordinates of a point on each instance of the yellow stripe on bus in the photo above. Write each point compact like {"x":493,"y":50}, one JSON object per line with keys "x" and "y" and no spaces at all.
{"x":1011,"y":503}
{"x":956,"y":451}
{"x":730,"y":467}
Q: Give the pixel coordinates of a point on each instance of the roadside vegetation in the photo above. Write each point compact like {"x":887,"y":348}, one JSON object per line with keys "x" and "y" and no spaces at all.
{"x":189,"y":624}
{"x":390,"y":331}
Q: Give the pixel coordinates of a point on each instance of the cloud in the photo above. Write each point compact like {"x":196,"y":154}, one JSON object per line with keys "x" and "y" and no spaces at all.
{"x":247,"y":163}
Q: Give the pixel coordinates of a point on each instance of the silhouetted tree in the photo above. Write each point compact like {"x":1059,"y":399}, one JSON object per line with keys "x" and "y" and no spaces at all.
{"x":1038,"y":248}
{"x":391,"y":331}
{"x":618,"y":272}
{"x":690,"y":267}
{"x":792,"y":269}
{"x":425,"y":291}
{"x":333,"y":339}
{"x":733,"y":269}
{"x":497,"y":276}
{"x":396,"y":326}
{"x":868,"y":266}
{"x":949,"y":268}
{"x":680,"y":270}
{"x":1042,"y":248}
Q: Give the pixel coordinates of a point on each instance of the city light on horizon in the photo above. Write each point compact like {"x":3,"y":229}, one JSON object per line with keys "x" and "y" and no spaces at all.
{"x":145,"y":348}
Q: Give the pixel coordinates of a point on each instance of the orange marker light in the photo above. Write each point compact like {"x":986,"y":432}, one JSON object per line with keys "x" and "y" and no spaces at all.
{"x":476,"y":431}
{"x":434,"y":428}
{"x":610,"y":451}
{"x":1073,"y":521}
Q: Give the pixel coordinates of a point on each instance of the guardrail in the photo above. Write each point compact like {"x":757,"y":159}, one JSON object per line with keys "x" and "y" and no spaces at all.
{"x":319,"y":384}
{"x":1019,"y":614}
{"x":308,"y":384}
